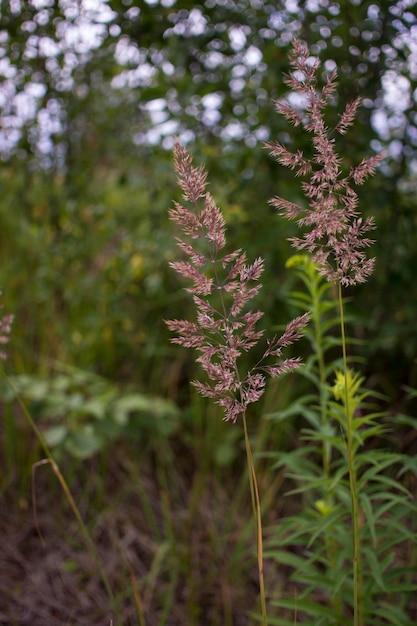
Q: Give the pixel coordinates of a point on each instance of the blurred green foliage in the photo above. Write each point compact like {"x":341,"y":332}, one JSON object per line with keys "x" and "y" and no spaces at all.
{"x":82,"y":414}
{"x":86,"y":175}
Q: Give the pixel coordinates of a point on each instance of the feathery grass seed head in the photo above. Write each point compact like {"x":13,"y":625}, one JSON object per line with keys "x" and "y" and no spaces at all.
{"x":335,"y":235}
{"x":222,"y":286}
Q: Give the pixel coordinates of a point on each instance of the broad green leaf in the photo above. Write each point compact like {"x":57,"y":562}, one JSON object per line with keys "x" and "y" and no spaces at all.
{"x":83,"y":445}
{"x":55,"y":435}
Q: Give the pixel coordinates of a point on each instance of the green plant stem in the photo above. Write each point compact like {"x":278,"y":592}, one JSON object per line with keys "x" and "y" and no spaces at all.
{"x":356,"y":533}
{"x":68,"y":495}
{"x":313,"y":286}
{"x":256,"y":506}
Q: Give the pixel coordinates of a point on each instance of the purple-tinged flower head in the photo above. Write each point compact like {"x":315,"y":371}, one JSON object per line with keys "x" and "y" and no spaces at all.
{"x":5,"y":328}
{"x":222,"y":284}
{"x":335,"y":234}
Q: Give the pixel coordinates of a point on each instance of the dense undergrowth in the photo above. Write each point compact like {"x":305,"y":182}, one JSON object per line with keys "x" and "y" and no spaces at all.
{"x":132,"y":504}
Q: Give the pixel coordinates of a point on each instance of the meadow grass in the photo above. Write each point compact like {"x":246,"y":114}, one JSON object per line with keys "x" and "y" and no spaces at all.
{"x":335,"y":236}
{"x":343,"y":550}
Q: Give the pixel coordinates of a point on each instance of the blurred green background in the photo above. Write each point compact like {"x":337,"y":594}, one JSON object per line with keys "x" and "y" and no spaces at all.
{"x":91,"y":95}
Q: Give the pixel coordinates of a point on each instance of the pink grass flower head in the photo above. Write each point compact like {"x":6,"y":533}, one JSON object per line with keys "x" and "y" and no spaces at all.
{"x":222,"y":284}
{"x":5,"y":328}
{"x":335,"y":235}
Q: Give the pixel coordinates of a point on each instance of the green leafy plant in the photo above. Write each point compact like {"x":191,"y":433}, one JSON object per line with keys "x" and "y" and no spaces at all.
{"x":340,"y":439}
{"x":81,"y":413}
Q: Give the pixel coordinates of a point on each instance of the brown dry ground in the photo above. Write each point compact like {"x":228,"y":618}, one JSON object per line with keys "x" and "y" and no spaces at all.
{"x":176,"y":545}
{"x":156,"y":534}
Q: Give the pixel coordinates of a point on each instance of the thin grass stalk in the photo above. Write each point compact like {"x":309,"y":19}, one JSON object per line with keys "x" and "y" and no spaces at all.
{"x":350,"y":451}
{"x":70,"y":499}
{"x":315,"y":316}
{"x":169,"y":598}
{"x":222,"y":336}
{"x":255,"y":500}
{"x":256,"y":506}
{"x":137,"y":598}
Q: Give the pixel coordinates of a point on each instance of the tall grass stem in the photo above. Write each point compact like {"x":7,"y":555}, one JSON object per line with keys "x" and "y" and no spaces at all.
{"x":256,"y":506}
{"x":350,"y":451}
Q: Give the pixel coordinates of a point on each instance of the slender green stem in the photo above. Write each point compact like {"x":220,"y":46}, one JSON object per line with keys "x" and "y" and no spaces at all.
{"x":256,"y":506}
{"x":356,"y":533}
{"x":316,"y":318}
